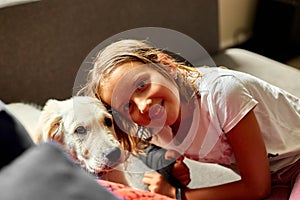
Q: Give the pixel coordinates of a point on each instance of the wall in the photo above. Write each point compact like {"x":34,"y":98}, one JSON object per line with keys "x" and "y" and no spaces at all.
{"x":236,"y":19}
{"x":44,"y":43}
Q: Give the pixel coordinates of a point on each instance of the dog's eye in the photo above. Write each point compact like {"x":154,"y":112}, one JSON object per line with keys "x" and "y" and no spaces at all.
{"x":80,"y":130}
{"x":108,"y":121}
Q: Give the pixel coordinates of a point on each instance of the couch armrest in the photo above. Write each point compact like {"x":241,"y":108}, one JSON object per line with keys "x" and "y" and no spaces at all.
{"x":276,"y":73}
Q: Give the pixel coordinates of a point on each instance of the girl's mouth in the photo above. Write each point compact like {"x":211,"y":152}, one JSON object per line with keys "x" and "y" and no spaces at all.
{"x":157,"y":111}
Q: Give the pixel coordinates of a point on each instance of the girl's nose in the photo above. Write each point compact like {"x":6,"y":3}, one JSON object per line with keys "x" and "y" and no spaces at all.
{"x":144,"y":105}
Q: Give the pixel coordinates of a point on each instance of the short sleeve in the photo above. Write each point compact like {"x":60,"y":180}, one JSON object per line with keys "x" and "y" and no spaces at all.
{"x":232,"y":101}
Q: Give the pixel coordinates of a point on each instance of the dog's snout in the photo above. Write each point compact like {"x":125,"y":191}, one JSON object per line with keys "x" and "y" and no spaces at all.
{"x":113,"y":154}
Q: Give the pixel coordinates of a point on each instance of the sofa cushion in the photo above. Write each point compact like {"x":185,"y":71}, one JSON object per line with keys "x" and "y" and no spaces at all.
{"x":274,"y":72}
{"x":14,"y":138}
{"x":46,"y":172}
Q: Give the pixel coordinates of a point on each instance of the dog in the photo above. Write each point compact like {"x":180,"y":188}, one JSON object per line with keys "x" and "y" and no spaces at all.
{"x":84,"y":127}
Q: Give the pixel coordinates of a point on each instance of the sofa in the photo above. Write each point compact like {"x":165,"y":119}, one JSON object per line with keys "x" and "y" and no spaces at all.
{"x":45,"y":43}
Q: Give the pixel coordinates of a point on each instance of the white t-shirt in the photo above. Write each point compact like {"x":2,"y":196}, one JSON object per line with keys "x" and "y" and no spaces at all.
{"x":226,"y":97}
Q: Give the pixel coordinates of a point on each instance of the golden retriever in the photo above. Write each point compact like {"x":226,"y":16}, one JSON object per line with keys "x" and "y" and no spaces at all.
{"x":85,"y":129}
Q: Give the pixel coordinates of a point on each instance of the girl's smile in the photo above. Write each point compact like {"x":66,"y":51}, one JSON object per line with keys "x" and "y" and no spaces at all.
{"x":142,"y":94}
{"x":156,"y":111}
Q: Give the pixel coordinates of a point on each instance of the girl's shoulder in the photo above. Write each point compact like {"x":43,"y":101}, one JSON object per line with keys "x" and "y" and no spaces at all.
{"x":212,"y":77}
{"x":212,"y":73}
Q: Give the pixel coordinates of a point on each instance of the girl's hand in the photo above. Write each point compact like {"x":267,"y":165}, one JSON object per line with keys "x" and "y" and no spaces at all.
{"x":157,"y":184}
{"x":180,"y":170}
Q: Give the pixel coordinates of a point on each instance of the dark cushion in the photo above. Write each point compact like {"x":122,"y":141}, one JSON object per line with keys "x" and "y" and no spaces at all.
{"x":14,"y":139}
{"x":46,"y":172}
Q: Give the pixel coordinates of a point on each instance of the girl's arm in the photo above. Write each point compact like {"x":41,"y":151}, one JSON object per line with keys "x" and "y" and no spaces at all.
{"x":164,"y":162}
{"x":251,"y":156}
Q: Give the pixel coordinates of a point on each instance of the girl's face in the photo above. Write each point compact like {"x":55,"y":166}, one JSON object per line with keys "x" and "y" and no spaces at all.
{"x":142,"y":94}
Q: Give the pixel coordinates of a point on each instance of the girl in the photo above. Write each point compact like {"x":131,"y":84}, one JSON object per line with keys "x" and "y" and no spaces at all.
{"x":206,"y":114}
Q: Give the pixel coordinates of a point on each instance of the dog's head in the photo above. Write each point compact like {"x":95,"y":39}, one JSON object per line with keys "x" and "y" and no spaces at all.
{"x":85,"y":129}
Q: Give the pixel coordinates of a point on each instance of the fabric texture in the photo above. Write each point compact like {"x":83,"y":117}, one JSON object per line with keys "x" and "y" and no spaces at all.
{"x":14,"y":138}
{"x":280,"y":135}
{"x":46,"y":172}
{"x":128,"y":193}
{"x":232,"y":94}
{"x":286,"y":183}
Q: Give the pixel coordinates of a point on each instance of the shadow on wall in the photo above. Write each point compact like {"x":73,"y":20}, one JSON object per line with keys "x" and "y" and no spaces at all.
{"x":44,"y":43}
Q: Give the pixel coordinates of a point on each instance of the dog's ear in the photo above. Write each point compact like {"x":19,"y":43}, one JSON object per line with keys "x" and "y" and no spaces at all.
{"x":50,"y":124}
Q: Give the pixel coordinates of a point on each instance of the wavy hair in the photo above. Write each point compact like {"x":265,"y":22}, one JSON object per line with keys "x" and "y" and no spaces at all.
{"x":132,"y":137}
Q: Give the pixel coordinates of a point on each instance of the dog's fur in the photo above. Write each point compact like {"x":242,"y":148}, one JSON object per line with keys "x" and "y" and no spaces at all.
{"x":85,"y":128}
{"x":58,"y":120}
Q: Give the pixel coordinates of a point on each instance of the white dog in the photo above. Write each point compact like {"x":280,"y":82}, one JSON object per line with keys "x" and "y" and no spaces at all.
{"x":83,"y":126}
{"x":85,"y":129}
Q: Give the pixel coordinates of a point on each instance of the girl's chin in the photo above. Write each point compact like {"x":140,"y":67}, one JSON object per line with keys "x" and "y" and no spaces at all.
{"x":156,"y":125}
{"x":161,"y":122}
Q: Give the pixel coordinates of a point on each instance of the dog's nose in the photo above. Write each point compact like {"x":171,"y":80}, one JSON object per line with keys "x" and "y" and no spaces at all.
{"x":113,"y":154}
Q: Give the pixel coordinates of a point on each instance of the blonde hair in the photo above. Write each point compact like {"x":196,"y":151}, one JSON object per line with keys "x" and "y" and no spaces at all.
{"x":129,"y":50}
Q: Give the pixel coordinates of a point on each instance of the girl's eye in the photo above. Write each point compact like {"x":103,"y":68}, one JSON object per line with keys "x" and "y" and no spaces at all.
{"x":80,"y":130}
{"x":142,"y":84}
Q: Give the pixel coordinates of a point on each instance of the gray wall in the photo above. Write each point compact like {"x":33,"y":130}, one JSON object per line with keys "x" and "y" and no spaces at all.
{"x":43,"y":44}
